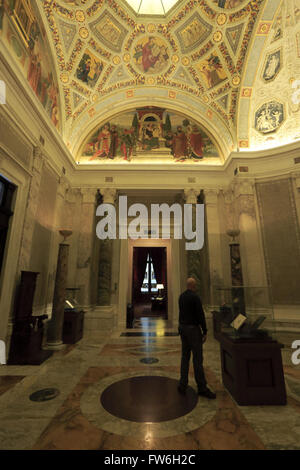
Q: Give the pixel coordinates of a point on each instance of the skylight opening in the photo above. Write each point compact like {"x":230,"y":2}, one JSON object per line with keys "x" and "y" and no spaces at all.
{"x":151,"y":7}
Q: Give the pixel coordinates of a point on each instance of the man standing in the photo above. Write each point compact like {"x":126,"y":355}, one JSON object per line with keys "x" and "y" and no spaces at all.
{"x":193,"y":331}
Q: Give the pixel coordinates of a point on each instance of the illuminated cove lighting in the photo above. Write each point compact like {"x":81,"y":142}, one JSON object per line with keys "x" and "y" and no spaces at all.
{"x":151,"y":7}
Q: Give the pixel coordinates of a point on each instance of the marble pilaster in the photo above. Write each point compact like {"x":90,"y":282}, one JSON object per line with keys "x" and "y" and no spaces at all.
{"x":251,"y":246}
{"x":31,"y":209}
{"x":214,"y":243}
{"x":296,"y":187}
{"x":197,"y":260}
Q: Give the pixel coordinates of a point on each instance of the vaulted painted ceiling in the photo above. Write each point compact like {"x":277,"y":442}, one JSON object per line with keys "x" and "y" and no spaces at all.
{"x":202,"y":60}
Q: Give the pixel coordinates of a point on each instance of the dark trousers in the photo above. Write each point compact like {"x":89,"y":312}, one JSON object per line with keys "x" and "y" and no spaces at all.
{"x":191,"y":339}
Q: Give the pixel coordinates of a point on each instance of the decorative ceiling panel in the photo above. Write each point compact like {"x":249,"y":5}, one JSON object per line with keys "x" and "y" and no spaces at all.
{"x":195,"y":50}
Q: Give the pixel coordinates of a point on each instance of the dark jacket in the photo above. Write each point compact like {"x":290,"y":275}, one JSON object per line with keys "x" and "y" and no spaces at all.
{"x":191,"y":310}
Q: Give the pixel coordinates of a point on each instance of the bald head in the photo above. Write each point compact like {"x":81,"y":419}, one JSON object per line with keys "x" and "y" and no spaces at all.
{"x":191,"y":284}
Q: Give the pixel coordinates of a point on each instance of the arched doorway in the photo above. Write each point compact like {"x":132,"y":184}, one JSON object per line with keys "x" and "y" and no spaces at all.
{"x":149,"y":282}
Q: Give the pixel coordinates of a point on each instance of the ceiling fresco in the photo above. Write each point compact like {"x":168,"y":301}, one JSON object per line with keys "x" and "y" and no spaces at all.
{"x":114,"y":57}
{"x":198,"y":49}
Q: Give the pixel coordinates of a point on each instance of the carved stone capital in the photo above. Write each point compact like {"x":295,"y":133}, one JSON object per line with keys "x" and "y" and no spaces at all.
{"x":109,"y":195}
{"x":211,"y":196}
{"x":228,"y":196}
{"x":191,"y":195}
{"x":63,"y":186}
{"x":244,"y":187}
{"x":88,"y":195}
{"x":72,"y":195}
{"x":296,"y":178}
{"x":38,"y":159}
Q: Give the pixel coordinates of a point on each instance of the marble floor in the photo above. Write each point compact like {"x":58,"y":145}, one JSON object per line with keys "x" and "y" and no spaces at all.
{"x":76,"y":418}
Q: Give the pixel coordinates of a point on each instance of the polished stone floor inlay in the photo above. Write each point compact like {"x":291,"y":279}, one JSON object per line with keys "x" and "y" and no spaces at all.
{"x":149,"y":360}
{"x":148,"y":399}
{"x":148,"y":334}
{"x":45,"y":395}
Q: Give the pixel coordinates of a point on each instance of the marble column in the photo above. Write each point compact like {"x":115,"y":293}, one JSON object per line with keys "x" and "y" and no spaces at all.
{"x":86,"y":243}
{"x":214,"y":244}
{"x":105,"y":257}
{"x":197,"y":260}
{"x":55,"y":326}
{"x":31,"y":209}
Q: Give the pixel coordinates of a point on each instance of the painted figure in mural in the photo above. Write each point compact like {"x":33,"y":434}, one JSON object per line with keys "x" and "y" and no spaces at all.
{"x":169,"y":138}
{"x":35,"y":72}
{"x":102,"y":146}
{"x":228,"y":3}
{"x":84,"y":69}
{"x":114,"y":144}
{"x":127,"y":143}
{"x":195,"y":143}
{"x":180,"y":143}
{"x":151,"y":54}
{"x":104,"y":141}
{"x":213,"y":71}
{"x":272,"y":66}
{"x":150,"y":138}
{"x":138,"y":55}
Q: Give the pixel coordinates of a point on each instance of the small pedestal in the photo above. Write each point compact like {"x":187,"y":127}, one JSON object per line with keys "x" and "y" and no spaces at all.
{"x":216,"y":325}
{"x":252,"y":370}
{"x":73,"y":327}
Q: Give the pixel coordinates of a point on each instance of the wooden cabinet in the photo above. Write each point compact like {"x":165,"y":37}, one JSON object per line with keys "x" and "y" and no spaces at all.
{"x":252,"y":370}
{"x":73,"y":326}
{"x":28,"y":330}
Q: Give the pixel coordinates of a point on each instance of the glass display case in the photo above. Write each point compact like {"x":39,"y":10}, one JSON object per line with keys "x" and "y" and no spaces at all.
{"x":245,"y":312}
{"x":73,"y":318}
{"x":71,"y":302}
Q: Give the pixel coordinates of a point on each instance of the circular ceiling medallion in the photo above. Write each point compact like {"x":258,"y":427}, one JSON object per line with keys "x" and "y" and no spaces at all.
{"x":116,"y":60}
{"x":150,"y":55}
{"x":217,"y":36}
{"x":126,"y":58}
{"x":84,"y":33}
{"x":221,"y":19}
{"x":236,"y":80}
{"x":148,"y":399}
{"x":185,"y":61}
{"x":151,"y":28}
{"x":150,"y":81}
{"x":80,"y":16}
{"x":64,"y":77}
{"x":175,"y":59}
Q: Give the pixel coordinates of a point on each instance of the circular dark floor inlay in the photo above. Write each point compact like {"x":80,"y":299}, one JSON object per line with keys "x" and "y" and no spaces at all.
{"x":148,"y":399}
{"x":149,"y":360}
{"x":45,"y":395}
